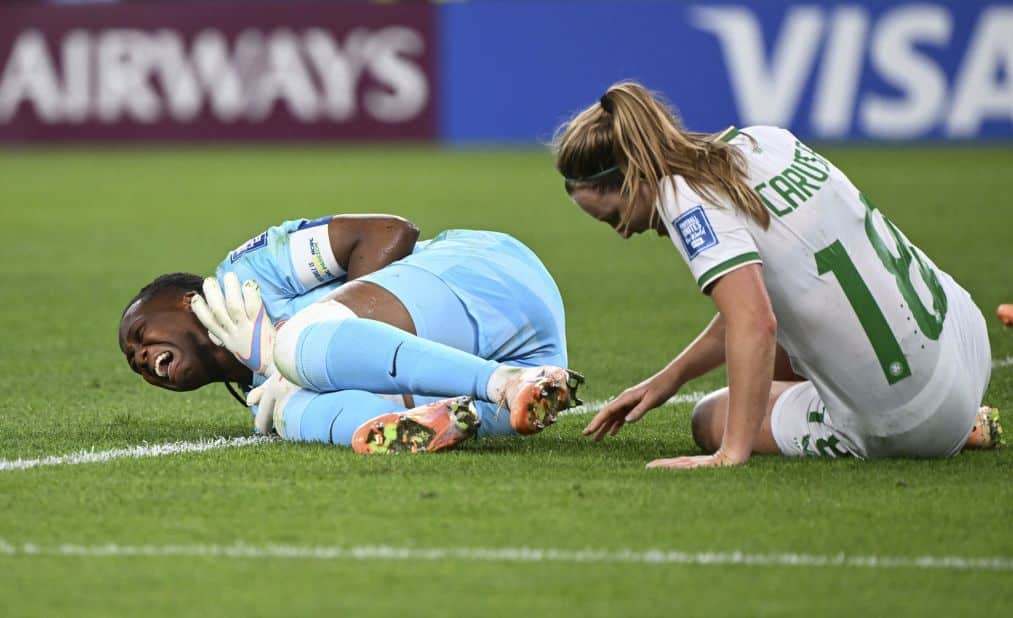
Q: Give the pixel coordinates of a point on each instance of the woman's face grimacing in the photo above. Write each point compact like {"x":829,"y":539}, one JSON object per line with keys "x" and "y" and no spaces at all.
{"x":164,"y":343}
{"x":609,"y":207}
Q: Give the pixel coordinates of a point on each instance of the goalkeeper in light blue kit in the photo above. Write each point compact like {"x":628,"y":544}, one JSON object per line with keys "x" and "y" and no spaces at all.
{"x":346,"y":330}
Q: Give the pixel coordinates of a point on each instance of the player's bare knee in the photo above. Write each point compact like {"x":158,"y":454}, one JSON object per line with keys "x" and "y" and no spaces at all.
{"x":699,"y":423}
{"x":708,"y":420}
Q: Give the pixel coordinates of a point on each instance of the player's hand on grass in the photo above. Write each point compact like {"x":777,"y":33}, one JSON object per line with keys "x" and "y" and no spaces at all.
{"x":717,"y":460}
{"x":631,"y":405}
{"x":237,"y":320}
{"x":269,"y":398}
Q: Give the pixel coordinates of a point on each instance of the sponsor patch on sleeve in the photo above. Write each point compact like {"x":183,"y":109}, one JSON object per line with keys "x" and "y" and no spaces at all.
{"x":253,"y":244}
{"x":312,"y":258}
{"x":695,"y":231}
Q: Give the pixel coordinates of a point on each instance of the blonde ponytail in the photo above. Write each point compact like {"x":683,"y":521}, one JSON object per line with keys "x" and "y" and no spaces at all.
{"x":631,"y":140}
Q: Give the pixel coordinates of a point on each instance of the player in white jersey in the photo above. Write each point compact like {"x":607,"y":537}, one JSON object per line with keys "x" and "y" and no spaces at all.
{"x":840,"y":336}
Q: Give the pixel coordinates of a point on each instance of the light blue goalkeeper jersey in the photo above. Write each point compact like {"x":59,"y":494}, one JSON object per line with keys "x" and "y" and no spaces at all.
{"x":514,"y":309}
{"x":270,"y":257}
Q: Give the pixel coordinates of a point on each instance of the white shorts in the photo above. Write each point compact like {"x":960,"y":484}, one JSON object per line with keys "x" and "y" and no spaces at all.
{"x":803,"y":425}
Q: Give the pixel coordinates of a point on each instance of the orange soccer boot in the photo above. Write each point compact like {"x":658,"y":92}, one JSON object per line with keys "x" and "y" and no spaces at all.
{"x":536,"y":395}
{"x":427,"y":428}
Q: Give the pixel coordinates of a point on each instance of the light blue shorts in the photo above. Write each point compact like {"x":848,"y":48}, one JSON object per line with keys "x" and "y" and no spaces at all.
{"x":484,"y":293}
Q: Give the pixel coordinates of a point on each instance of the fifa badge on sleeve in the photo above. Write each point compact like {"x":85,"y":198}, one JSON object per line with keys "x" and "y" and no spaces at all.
{"x":695,"y":231}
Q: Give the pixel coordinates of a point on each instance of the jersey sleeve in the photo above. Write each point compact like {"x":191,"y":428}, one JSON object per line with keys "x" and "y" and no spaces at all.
{"x":713,"y":239}
{"x":287,"y":261}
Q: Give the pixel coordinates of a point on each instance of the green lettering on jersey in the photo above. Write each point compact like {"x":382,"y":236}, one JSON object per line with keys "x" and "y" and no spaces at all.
{"x":798,"y":182}
{"x":806,"y":154}
{"x":777,"y":211}
{"x":787,"y":190}
{"x":834,"y":259}
{"x":810,"y":170}
{"x":899,"y":265}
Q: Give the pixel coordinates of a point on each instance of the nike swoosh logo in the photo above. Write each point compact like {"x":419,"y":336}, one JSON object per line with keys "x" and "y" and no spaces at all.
{"x":393,"y":363}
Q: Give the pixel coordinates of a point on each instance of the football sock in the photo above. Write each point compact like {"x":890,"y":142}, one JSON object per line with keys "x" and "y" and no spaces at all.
{"x":367,"y":355}
{"x":330,"y":418}
{"x":496,"y":387}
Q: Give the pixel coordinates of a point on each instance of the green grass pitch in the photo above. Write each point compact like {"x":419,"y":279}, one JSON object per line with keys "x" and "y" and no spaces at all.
{"x":82,"y":231}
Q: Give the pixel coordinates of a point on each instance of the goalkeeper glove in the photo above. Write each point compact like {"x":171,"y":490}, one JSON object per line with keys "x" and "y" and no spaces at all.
{"x":237,"y":320}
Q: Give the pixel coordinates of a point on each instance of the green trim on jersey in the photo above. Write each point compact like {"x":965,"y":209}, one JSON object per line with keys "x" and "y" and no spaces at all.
{"x":724,"y":267}
{"x":728,"y":134}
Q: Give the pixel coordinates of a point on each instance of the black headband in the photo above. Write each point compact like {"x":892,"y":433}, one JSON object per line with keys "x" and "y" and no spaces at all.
{"x":606,"y":103}
{"x":595,"y":176}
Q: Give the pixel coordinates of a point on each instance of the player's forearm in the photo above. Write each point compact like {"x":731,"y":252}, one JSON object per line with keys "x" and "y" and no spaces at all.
{"x":750,"y":349}
{"x":704,"y":354}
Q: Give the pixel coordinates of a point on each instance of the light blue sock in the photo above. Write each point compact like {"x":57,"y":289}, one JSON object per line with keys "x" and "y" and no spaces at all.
{"x":360,"y":354}
{"x":331,"y":418}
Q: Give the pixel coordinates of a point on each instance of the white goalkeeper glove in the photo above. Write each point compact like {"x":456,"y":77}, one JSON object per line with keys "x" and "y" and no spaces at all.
{"x":238,"y":321}
{"x":270,"y":398}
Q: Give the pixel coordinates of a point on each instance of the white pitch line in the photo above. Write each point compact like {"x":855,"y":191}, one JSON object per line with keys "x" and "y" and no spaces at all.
{"x":513,"y":554}
{"x":199,"y":446}
{"x":176,"y":448}
{"x":143,"y":450}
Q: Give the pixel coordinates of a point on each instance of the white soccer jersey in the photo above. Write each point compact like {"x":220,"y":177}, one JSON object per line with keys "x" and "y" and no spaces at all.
{"x":860,"y":311}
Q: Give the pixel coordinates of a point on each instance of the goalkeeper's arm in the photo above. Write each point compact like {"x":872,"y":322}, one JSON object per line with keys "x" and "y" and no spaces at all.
{"x":366,"y":243}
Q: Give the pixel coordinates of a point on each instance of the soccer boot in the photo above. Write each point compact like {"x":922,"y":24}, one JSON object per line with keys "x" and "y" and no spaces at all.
{"x":987,"y":431}
{"x":1005,"y":313}
{"x":537,"y":394}
{"x":431,"y":427}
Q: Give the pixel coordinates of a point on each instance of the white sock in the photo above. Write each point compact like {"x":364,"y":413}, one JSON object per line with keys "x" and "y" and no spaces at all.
{"x":495,"y":389}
